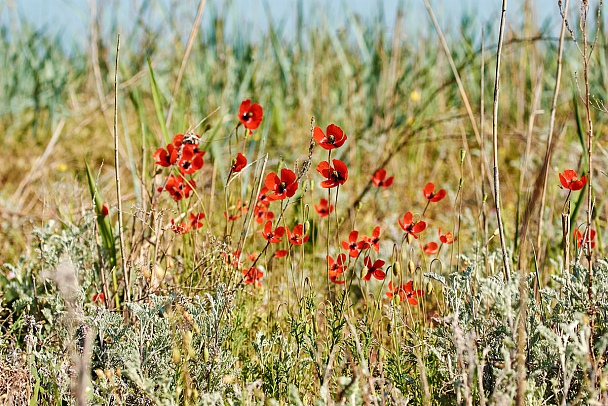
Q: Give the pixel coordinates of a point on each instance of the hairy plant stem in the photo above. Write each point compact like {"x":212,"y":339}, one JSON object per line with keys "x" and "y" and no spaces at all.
{"x":125,"y":270}
{"x":501,"y":231}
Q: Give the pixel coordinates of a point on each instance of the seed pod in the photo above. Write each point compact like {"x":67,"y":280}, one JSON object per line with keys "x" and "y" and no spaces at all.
{"x":99,"y":373}
{"x":176,"y":355}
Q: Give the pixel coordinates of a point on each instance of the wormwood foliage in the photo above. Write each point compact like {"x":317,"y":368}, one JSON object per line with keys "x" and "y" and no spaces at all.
{"x":474,"y":348}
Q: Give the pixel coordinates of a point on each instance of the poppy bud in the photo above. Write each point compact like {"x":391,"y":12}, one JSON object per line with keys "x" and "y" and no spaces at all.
{"x":176,"y":356}
{"x":397,"y":268}
{"x":411,"y":267}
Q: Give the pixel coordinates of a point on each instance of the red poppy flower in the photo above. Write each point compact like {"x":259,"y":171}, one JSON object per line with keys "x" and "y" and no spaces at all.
{"x":405,"y":292}
{"x":263,"y":197}
{"x":335,"y":137}
{"x":166,"y":157}
{"x":411,"y":294}
{"x":190,"y":160}
{"x":353,"y":246}
{"x":570,"y":180}
{"x":270,"y":235}
{"x":196,"y":220}
{"x":589,"y":238}
{"x":178,"y":187}
{"x":324,"y":209}
{"x":253,"y":275}
{"x":430,"y":248}
{"x":99,"y":298}
{"x":238,"y":163}
{"x":379,"y":178}
{"x":282,"y":187}
{"x":179,"y":228}
{"x":237,"y":210}
{"x":280,"y":253}
{"x":392,"y":291}
{"x":336,"y":175}
{"x":430,"y":195}
{"x":411,"y":227}
{"x":447,"y":238}
{"x":261,"y":213}
{"x":336,"y":268}
{"x":296,"y":236}
{"x":374,"y":269}
{"x":250,"y":115}
{"x":374,"y":240}
{"x":233,"y":259}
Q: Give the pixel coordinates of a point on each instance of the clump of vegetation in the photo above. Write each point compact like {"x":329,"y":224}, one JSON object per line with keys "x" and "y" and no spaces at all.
{"x":274,"y":226}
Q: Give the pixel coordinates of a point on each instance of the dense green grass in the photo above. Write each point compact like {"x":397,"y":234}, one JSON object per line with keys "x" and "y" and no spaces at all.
{"x":179,"y":326}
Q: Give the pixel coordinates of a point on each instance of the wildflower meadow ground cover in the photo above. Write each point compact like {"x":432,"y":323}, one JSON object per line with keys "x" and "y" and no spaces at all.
{"x":352,"y":216}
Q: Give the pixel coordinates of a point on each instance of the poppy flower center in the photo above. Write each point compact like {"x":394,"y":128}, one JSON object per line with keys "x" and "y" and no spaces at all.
{"x":331,"y":139}
{"x":282,"y":187}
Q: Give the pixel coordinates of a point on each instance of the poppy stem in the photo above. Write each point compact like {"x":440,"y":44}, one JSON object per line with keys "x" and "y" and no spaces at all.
{"x":428,"y":202}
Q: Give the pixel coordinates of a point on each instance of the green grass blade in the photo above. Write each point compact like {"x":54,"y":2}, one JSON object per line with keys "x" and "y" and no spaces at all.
{"x":156,"y":96}
{"x":105,"y":228}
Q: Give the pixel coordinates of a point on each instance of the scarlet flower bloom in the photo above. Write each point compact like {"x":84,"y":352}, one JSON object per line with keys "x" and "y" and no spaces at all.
{"x":335,"y":137}
{"x":336,"y":268}
{"x":179,"y":228}
{"x":237,"y":210}
{"x":336,"y":175}
{"x":296,"y":236}
{"x":104,"y":211}
{"x":282,"y":187}
{"x":196,"y":220}
{"x":447,"y":238}
{"x":270,"y":235}
{"x":233,"y":259}
{"x":99,"y":298}
{"x":405,"y":292}
{"x":411,"y":227}
{"x":263,"y":197}
{"x":191,"y":159}
{"x":392,"y":290}
{"x":178,"y":187}
{"x":589,"y":239}
{"x":238,"y":163}
{"x":324,"y":209}
{"x":430,"y":195}
{"x":374,"y":269}
{"x":251,"y":115}
{"x":430,"y":248}
{"x":379,"y":178}
{"x":570,"y":180}
{"x":280,"y":253}
{"x":374,"y":240}
{"x":253,"y":275}
{"x":411,"y":294}
{"x":166,"y":157}
{"x":261,"y":213}
{"x":353,"y":246}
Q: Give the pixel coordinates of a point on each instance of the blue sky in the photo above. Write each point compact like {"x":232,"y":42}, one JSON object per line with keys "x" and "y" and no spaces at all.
{"x":69,"y":18}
